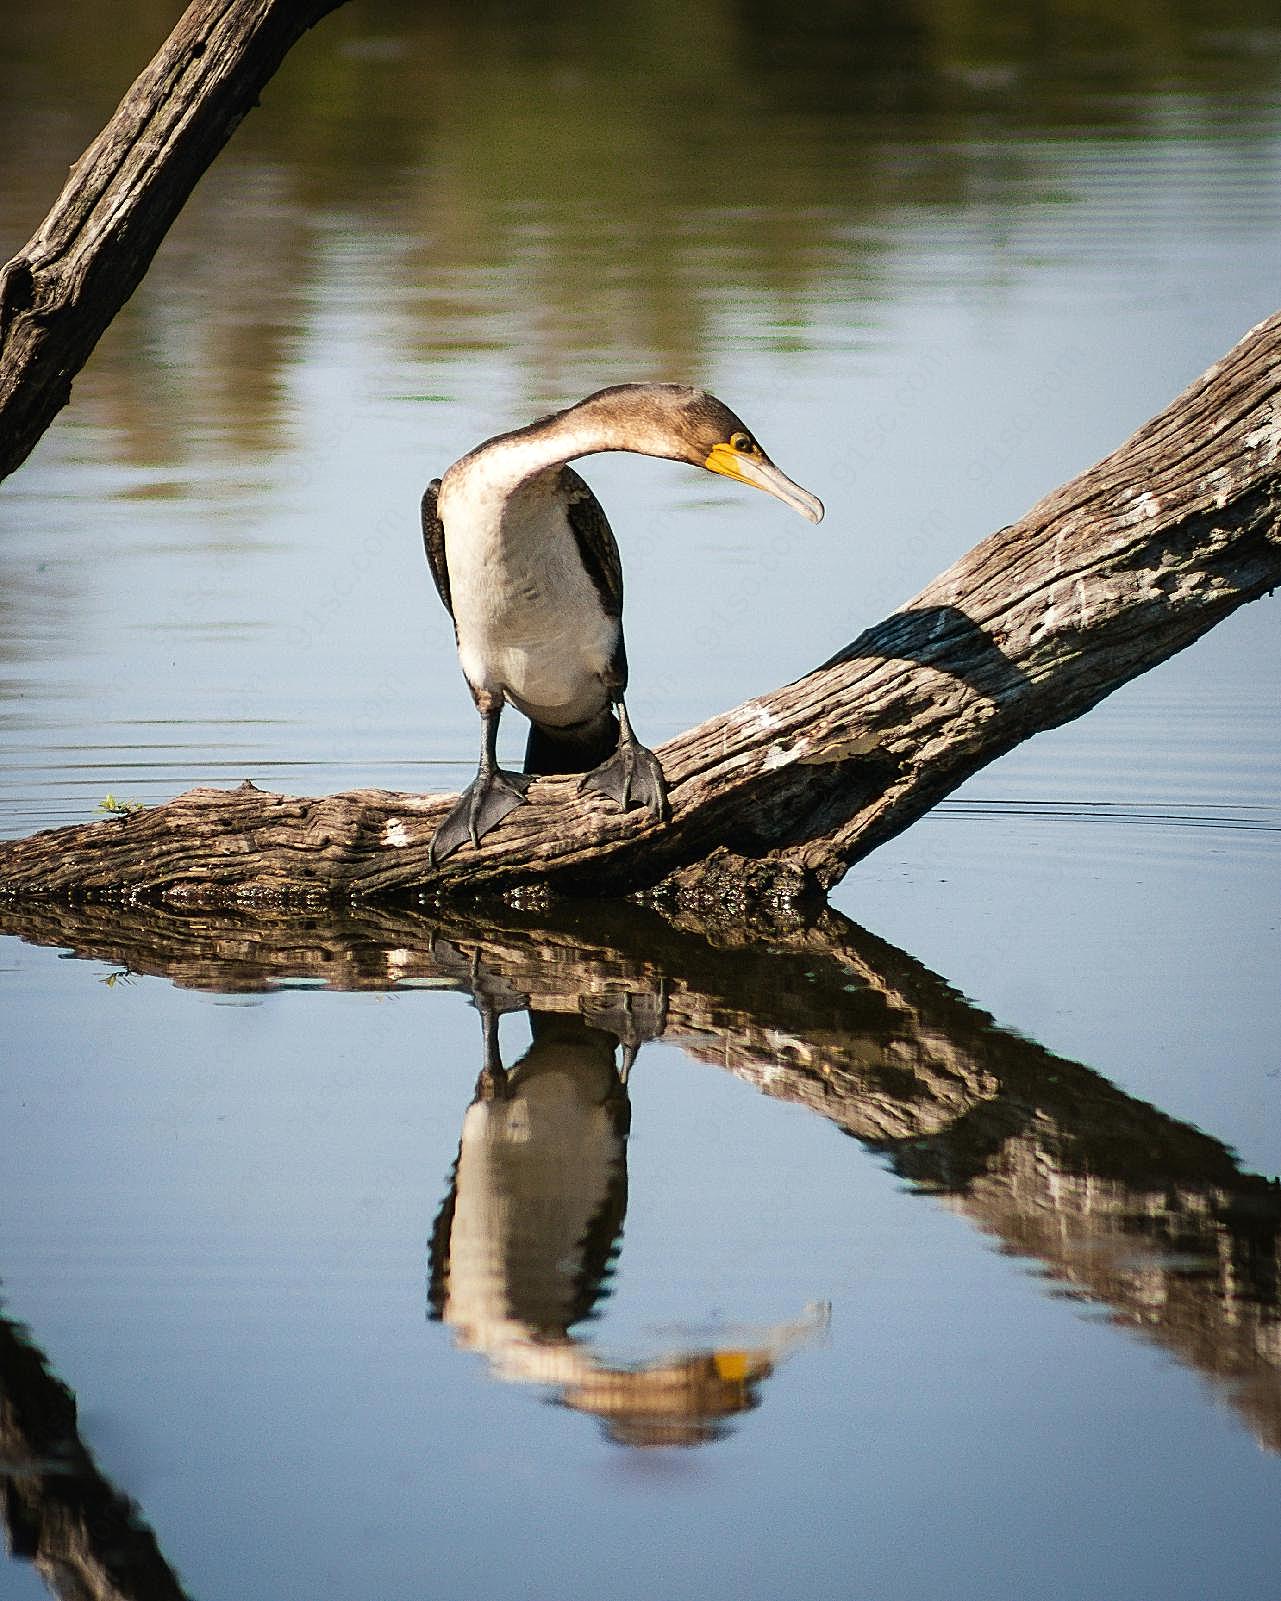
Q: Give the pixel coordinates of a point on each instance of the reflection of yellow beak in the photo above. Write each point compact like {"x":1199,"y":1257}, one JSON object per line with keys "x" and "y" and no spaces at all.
{"x":761,"y":473}
{"x":732,"y":1366}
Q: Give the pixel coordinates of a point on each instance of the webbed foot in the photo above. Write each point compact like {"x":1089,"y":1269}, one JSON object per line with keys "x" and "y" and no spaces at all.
{"x":481,"y":807}
{"x":631,"y":777}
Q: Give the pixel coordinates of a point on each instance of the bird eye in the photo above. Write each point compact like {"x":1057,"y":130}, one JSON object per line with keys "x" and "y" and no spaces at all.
{"x":743,"y":442}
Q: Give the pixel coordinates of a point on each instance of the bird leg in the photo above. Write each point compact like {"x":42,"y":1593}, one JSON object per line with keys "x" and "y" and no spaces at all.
{"x":492,"y":1083}
{"x":631,"y":776}
{"x":486,"y":800}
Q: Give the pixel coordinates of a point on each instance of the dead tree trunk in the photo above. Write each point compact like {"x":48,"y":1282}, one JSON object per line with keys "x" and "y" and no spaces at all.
{"x":60,"y":291}
{"x":773,"y":801}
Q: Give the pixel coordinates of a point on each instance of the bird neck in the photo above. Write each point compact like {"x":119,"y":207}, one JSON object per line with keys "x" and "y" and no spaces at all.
{"x":514,"y":459}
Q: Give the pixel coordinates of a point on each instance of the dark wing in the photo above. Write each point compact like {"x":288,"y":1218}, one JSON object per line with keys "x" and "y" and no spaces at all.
{"x":595,"y":540}
{"x":434,"y":541}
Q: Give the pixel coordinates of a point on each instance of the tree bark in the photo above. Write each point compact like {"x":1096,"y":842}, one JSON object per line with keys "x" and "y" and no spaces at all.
{"x":773,"y":801}
{"x":60,"y":291}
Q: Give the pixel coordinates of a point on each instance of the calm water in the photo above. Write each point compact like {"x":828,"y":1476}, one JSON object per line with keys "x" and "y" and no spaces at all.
{"x":933,"y":1252}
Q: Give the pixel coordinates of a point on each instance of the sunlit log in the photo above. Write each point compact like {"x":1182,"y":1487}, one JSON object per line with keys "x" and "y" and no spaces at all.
{"x":772,"y":802}
{"x":64,"y":286}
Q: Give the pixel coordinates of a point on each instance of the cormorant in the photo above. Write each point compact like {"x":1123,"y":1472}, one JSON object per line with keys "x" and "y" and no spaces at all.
{"x":528,"y":568}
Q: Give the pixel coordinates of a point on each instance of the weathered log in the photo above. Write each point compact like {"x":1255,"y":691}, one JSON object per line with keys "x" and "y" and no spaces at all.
{"x":1120,"y":1205}
{"x":1128,"y":563}
{"x":60,"y":291}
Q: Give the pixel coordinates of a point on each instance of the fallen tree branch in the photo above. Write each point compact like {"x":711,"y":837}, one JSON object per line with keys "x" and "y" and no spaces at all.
{"x":1130,"y":562}
{"x":62,"y":289}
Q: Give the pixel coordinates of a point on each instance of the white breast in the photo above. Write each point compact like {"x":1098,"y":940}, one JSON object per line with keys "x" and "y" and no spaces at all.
{"x":530,"y":623}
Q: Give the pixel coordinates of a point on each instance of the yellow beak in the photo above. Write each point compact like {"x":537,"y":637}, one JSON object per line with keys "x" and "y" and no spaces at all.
{"x":761,"y":473}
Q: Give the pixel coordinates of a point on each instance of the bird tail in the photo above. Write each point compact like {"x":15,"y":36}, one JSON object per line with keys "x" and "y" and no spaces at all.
{"x":571,"y":750}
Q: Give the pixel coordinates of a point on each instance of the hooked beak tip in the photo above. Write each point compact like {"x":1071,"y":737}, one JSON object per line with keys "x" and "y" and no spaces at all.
{"x":761,"y":473}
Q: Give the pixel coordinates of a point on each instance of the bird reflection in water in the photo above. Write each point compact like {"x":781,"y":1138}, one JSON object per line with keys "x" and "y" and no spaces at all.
{"x":525,"y":1240}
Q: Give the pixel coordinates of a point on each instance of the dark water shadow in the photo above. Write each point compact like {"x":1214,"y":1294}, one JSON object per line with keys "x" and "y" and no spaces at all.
{"x":85,"y":1537}
{"x":1118,"y":1205}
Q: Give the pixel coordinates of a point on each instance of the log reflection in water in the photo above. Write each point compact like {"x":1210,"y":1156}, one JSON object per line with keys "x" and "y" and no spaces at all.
{"x":83,"y":1536}
{"x":1118,"y":1203}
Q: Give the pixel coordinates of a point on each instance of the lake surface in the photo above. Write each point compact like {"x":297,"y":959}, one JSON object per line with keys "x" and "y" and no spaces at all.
{"x":930,"y":1251}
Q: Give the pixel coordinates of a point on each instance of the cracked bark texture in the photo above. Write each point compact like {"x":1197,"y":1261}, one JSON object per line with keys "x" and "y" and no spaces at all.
{"x":773,"y":801}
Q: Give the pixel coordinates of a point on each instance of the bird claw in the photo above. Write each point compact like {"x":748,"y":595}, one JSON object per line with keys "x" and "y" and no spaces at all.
{"x":479,"y":809}
{"x":630,"y":777}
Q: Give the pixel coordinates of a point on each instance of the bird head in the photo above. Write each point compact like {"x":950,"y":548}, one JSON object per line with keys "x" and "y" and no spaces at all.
{"x":690,"y":425}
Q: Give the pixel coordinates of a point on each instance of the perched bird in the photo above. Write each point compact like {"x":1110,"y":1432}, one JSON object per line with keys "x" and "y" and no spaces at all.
{"x":528,"y":568}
